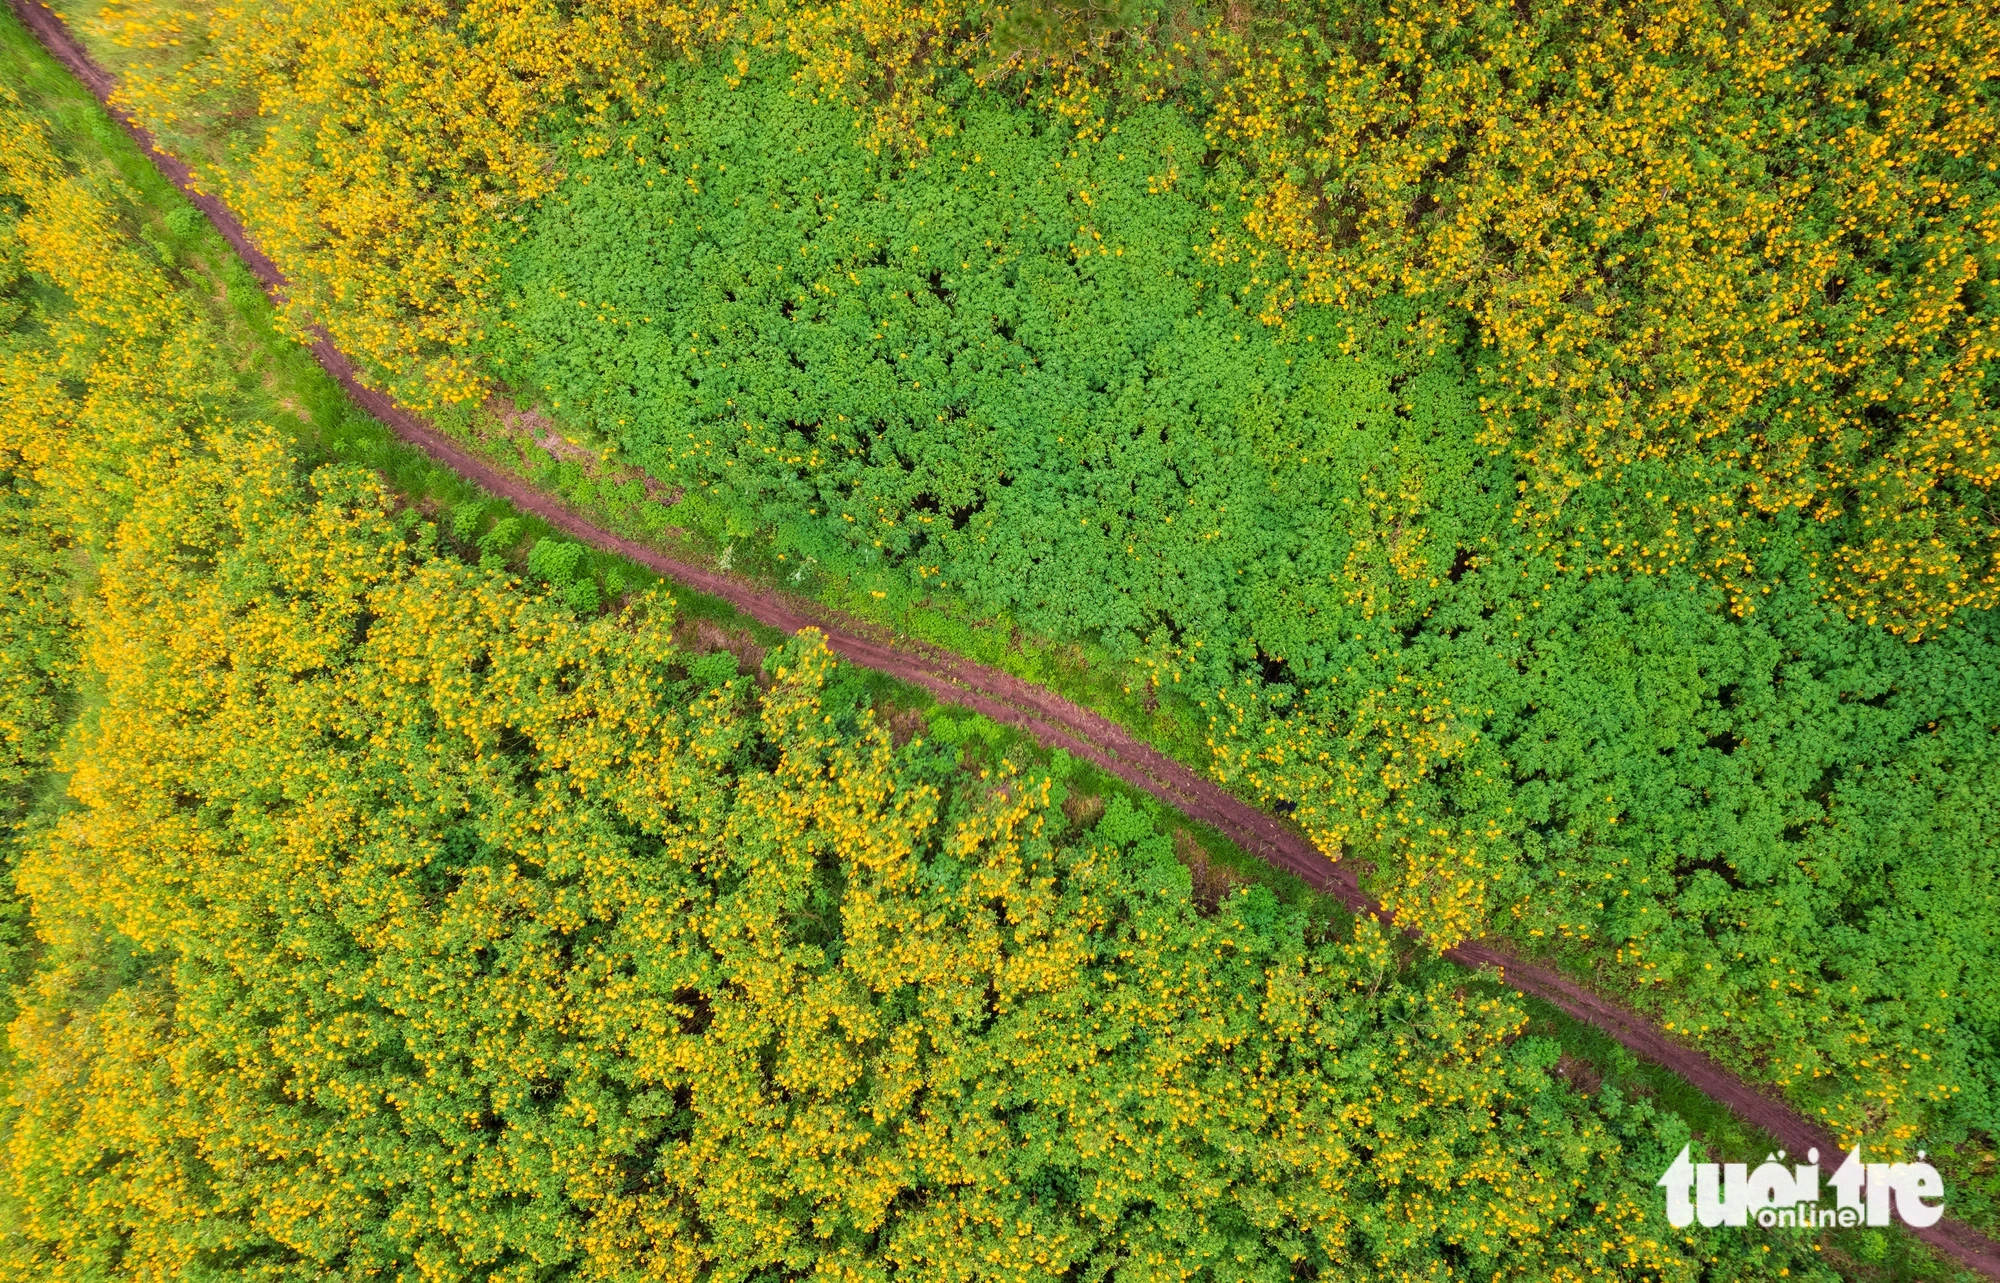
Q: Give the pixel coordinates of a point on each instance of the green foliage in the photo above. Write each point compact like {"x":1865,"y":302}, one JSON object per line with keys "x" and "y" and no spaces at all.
{"x":405,"y":925}
{"x":564,"y":566}
{"x":1006,"y":370}
{"x":947,"y":729}
{"x":937,"y":366}
{"x":501,"y":539}
{"x":713,"y":670}
{"x":556,"y":561}
{"x":1777,"y":834}
{"x":465,"y":520}
{"x":480,"y":939}
{"x":583,"y":596}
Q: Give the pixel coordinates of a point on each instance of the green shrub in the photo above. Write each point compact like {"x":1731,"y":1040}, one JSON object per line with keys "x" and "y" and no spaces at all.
{"x":558,"y":562}
{"x":500,"y":541}
{"x":1005,"y":369}
{"x":936,"y":368}
{"x":465,"y":519}
{"x":583,"y":596}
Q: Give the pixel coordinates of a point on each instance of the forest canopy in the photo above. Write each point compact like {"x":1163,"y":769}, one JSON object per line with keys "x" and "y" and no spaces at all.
{"x":1543,"y":451}
{"x":400,"y":918}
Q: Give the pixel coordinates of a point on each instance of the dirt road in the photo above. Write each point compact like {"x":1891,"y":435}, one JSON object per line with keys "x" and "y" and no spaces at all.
{"x":1050,"y":718}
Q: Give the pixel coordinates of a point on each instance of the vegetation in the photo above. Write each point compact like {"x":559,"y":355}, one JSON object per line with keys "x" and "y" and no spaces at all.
{"x":929,"y":365}
{"x":1730,"y":257}
{"x":1550,"y":446}
{"x":404,"y":919}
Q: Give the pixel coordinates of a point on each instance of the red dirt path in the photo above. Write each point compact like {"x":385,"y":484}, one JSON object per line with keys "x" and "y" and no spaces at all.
{"x":1051,"y":719}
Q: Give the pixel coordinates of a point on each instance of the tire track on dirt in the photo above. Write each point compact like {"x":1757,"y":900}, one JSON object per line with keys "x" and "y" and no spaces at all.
{"x":1051,"y":719}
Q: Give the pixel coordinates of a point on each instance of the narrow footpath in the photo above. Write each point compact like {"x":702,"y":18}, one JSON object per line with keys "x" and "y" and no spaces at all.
{"x":1048,"y":717}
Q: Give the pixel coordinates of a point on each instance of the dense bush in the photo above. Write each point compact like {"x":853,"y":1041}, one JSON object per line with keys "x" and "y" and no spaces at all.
{"x":402,"y":924}
{"x":564,"y":566}
{"x":1004,"y":369}
{"x":1777,"y":835}
{"x":488,"y":944}
{"x":1737,"y":254}
{"x":1740,"y":255}
{"x":1664,"y":376}
{"x":930,"y":364}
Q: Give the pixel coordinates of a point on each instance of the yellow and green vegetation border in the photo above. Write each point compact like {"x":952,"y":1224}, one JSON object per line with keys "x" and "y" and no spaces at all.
{"x":346,"y":916}
{"x":386,"y":916}
{"x":1623,"y":681}
{"x":308,"y":410}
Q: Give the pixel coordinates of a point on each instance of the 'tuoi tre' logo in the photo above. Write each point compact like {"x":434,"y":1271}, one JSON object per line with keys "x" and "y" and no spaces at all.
{"x":1778,"y":1196}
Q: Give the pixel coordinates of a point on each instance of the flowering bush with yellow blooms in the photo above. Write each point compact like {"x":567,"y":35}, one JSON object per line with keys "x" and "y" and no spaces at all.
{"x":1625,"y":398}
{"x":1737,"y":259}
{"x":468,"y":938}
{"x":405,"y":922}
{"x":999,"y":371}
{"x":80,"y":304}
{"x":1740,"y":256}
{"x":381,"y":150}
